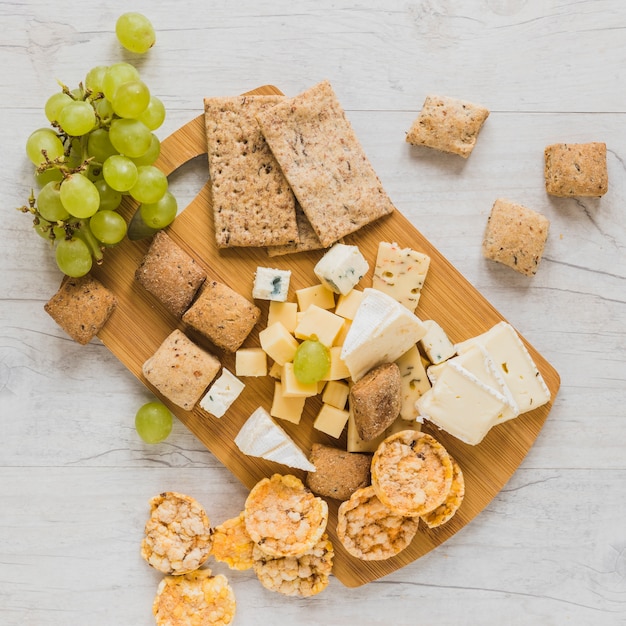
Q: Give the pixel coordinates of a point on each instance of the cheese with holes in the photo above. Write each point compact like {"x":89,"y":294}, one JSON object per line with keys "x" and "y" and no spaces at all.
{"x":413,"y":382}
{"x":341,"y":268}
{"x":320,"y":295}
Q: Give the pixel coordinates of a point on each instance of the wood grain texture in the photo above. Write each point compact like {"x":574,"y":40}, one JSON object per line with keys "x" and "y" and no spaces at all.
{"x":75,"y":479}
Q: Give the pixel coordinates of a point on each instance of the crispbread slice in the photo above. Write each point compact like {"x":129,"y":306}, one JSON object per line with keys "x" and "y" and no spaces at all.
{"x":322,"y":159}
{"x":308,"y":239}
{"x":252,"y":202}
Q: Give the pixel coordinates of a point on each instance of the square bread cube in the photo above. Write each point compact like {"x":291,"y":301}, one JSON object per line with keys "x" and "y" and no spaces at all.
{"x":515,"y":236}
{"x":81,"y":307}
{"x":448,"y":124}
{"x":222,"y":315}
{"x":576,"y":169}
{"x":170,"y":274}
{"x":180,"y":370}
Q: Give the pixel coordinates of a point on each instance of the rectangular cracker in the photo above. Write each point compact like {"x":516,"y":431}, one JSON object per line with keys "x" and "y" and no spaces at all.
{"x":576,"y":169}
{"x":252,"y":202}
{"x":307,"y":238}
{"x":322,"y":159}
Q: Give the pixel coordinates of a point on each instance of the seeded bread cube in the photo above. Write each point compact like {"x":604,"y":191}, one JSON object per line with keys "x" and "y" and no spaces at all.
{"x":222,"y":315}
{"x":170,"y":274}
{"x":576,"y":169}
{"x":180,"y":370}
{"x":81,"y":307}
{"x":515,"y":236}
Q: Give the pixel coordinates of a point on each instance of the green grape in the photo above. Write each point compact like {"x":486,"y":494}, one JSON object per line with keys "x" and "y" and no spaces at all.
{"x":109,"y":198}
{"x":120,"y":172}
{"x":108,"y":227}
{"x":77,"y":118}
{"x":153,"y":422}
{"x":154,"y":115}
{"x":104,"y":110}
{"x":47,"y":176}
{"x":151,"y":155}
{"x":79,"y":196}
{"x":99,"y":145}
{"x":160,"y":214}
{"x":49,"y":203}
{"x":94,"y":172}
{"x":311,"y":361}
{"x":131,"y":99}
{"x":73,"y":257}
{"x":75,"y":157}
{"x":95,"y":78}
{"x":135,"y":32}
{"x":43,"y":140}
{"x":55,"y":104}
{"x":115,"y":75}
{"x":130,"y":137}
{"x":151,"y":184}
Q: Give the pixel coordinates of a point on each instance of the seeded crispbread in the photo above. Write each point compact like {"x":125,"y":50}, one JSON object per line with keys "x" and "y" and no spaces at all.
{"x":515,"y":236}
{"x":81,"y":307}
{"x":448,"y":124}
{"x":252,"y":202}
{"x":322,"y":159}
{"x":576,"y":169}
{"x":307,"y":238}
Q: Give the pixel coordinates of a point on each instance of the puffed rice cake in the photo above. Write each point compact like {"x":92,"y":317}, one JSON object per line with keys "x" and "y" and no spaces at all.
{"x":283,"y":517}
{"x":371,"y":531}
{"x":232,"y":544}
{"x":411,"y":473}
{"x":302,"y":576}
{"x":178,"y":535}
{"x":194,"y":599}
{"x":444,"y":512}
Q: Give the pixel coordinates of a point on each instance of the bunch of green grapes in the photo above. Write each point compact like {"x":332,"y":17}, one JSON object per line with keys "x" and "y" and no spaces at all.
{"x":100,"y":146}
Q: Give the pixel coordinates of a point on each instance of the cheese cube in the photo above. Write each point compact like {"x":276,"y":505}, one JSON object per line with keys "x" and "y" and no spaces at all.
{"x":317,"y":322}
{"x":289,"y":409}
{"x":221,"y":394}
{"x":250,"y":362}
{"x":413,"y":382}
{"x":271,"y":284}
{"x":276,"y":371}
{"x":283,"y":312}
{"x":338,"y":369}
{"x":278,"y":343}
{"x":343,"y":333}
{"x":349,"y":303}
{"x":319,"y":295}
{"x":341,"y":268}
{"x":331,"y":420}
{"x":400,"y":273}
{"x":436,"y":344}
{"x":292,"y":387}
{"x":336,"y":394}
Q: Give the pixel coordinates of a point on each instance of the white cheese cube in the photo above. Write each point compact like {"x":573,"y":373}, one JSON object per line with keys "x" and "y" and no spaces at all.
{"x":341,"y":268}
{"x":271,"y":284}
{"x":435,"y":342}
{"x":221,"y":394}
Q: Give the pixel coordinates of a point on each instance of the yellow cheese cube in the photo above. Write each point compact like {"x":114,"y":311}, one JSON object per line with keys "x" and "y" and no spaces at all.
{"x":276,"y":371}
{"x":283,"y":312}
{"x":319,"y":295}
{"x":292,"y":387}
{"x":278,"y":343}
{"x":250,"y":362}
{"x":348,"y":304}
{"x":331,"y":420}
{"x":338,"y":370}
{"x":320,"y":323}
{"x":289,"y":409}
{"x":340,"y":338}
{"x":336,"y":394}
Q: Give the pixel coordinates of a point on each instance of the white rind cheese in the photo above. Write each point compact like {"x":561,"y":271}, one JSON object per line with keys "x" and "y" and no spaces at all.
{"x":261,"y":436}
{"x":341,"y":268}
{"x":221,"y":394}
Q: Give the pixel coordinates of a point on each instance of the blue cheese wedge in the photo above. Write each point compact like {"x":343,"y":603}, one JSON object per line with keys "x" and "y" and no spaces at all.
{"x":381,"y":332}
{"x":222,"y":393}
{"x":271,"y":284}
{"x":514,"y":364}
{"x":400,"y":272}
{"x":261,"y":436}
{"x":341,"y":268}
{"x":435,"y":343}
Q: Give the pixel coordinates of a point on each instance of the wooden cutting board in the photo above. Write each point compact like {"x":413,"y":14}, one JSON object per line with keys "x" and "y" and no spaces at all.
{"x":140,"y":323}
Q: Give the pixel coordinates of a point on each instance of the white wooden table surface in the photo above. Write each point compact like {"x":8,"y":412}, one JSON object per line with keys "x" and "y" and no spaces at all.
{"x":75,"y":479}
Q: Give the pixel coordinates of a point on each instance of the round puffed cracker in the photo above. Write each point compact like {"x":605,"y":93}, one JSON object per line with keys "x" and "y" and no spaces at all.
{"x":371,"y":531}
{"x":411,"y":473}
{"x":451,"y":504}
{"x":178,"y":535}
{"x":232,"y":544}
{"x":303,"y":576}
{"x":194,"y":599}
{"x":283,"y":517}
